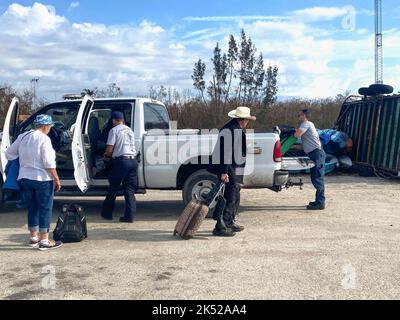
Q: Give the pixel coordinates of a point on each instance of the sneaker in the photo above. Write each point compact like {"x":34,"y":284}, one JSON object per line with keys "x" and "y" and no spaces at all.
{"x":125,"y":220}
{"x":236,"y":228}
{"x":52,"y":245}
{"x":227,"y":233}
{"x":316,"y":207}
{"x":34,"y":244}
{"x":313,"y":203}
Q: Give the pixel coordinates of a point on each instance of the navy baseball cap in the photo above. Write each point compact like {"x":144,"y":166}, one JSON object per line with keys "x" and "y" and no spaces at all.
{"x":117,"y":115}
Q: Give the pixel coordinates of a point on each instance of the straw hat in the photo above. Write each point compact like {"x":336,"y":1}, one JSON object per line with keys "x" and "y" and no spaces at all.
{"x":242,"y":113}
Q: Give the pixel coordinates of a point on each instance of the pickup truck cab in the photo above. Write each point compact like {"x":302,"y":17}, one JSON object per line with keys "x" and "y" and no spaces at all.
{"x":80,"y":135}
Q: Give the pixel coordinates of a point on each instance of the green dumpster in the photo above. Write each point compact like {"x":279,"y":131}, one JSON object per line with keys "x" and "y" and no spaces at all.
{"x":374,"y":125}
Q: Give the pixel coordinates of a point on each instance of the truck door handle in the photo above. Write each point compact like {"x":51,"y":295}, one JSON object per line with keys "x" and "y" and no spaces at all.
{"x":255,"y":150}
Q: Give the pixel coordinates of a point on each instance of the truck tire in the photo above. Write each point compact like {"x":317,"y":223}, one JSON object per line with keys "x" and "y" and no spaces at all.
{"x":365,"y":92}
{"x":378,"y":89}
{"x":199,"y":184}
{"x":1,"y":192}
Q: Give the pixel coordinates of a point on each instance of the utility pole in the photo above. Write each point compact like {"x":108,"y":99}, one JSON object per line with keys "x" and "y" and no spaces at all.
{"x":378,"y":43}
{"x":34,"y":81}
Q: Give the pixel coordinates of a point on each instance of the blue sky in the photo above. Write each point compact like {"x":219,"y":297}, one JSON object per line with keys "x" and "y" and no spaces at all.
{"x":170,"y":12}
{"x":86,"y":43}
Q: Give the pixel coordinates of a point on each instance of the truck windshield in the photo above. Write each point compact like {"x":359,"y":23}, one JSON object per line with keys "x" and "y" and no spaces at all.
{"x":155,"y":117}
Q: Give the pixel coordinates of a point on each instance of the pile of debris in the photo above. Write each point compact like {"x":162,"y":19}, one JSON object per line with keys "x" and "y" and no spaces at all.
{"x":336,"y":144}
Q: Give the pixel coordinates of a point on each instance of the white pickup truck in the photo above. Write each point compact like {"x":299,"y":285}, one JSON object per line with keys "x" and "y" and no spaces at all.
{"x":80,"y":134}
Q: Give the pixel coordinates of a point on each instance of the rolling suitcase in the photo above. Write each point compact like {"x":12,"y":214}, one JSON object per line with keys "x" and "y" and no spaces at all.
{"x":194,"y":214}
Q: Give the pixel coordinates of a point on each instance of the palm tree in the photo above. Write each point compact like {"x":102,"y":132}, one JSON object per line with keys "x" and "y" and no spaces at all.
{"x":87,"y":92}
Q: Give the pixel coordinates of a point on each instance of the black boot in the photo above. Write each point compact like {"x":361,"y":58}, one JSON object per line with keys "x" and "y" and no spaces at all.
{"x":316,"y":207}
{"x":106,"y":217}
{"x":235,"y":227}
{"x":126,"y":220}
{"x":226,"y":233}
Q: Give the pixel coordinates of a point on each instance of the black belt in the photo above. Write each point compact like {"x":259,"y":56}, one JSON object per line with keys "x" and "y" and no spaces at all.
{"x":126,"y":158}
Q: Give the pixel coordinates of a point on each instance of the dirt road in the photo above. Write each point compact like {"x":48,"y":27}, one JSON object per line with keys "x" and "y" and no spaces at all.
{"x":351,"y":250}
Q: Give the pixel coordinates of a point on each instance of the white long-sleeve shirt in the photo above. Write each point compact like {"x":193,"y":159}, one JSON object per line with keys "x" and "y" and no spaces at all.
{"x":36,"y":155}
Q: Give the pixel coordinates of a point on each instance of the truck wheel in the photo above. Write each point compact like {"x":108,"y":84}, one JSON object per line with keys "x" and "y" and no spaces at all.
{"x":198,"y":185}
{"x":1,"y":192}
{"x":365,"y":92}
{"x":381,"y":89}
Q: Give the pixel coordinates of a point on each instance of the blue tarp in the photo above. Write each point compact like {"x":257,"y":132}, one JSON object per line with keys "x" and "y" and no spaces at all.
{"x":12,"y":171}
{"x":334,"y":142}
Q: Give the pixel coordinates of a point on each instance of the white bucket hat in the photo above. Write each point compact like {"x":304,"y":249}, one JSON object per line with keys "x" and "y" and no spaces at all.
{"x":242,"y":113}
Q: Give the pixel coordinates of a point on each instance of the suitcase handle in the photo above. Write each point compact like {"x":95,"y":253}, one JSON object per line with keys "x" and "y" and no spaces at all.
{"x":215,"y":193}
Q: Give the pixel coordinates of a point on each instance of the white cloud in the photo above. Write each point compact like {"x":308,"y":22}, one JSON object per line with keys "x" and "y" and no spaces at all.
{"x":71,"y":56}
{"x":177,"y":46}
{"x":94,"y":29}
{"x":196,"y":33}
{"x":314,"y":61}
{"x":307,"y":14}
{"x":321,"y":13}
{"x":29,"y":21}
{"x":232,"y":18}
{"x":150,"y":27}
{"x":315,"y":65}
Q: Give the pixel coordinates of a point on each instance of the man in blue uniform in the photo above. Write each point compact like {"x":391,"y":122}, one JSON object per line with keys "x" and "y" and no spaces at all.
{"x":124,"y":166}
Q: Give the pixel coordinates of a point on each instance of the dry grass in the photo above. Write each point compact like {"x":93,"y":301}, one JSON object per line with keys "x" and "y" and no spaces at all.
{"x":197,"y":115}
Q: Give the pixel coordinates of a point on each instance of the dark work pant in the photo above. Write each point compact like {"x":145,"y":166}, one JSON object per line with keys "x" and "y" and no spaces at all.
{"x":122,"y":172}
{"x":318,"y":174}
{"x":232,"y":197}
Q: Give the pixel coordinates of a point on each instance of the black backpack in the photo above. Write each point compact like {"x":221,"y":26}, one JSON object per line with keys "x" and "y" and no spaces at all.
{"x":71,"y":225}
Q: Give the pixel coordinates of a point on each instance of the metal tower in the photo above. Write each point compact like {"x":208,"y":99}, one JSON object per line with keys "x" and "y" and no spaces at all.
{"x":378,"y":43}
{"x":34,"y":82}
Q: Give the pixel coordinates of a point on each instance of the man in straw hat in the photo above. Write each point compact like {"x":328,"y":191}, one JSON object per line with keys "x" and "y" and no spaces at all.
{"x":228,"y":163}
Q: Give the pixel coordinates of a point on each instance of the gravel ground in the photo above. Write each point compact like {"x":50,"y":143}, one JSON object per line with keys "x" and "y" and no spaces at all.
{"x":349,"y":251}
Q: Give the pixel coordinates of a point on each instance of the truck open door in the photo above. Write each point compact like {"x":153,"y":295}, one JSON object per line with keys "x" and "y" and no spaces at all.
{"x":9,"y":133}
{"x":81,"y":152}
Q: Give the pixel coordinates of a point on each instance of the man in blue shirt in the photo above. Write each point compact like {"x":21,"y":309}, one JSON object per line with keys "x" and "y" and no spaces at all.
{"x":313,"y":148}
{"x":122,"y":152}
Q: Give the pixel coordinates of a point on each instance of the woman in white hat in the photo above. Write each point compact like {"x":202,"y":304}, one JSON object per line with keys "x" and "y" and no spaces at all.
{"x":229,"y":161}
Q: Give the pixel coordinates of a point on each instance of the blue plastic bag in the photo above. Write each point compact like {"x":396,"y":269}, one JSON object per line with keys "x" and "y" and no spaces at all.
{"x":12,"y":172}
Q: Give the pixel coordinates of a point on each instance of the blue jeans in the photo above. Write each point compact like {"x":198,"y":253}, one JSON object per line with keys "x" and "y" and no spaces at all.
{"x":318,"y":174}
{"x":39,"y":201}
